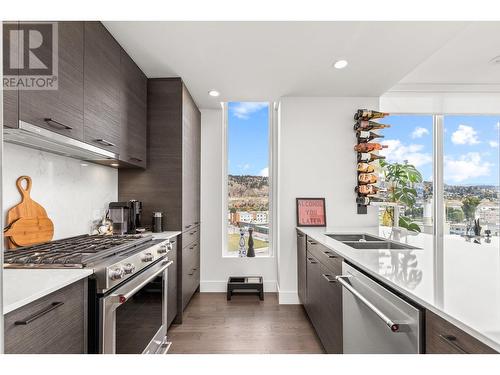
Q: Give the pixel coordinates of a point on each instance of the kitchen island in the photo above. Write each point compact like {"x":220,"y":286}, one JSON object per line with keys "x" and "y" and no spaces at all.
{"x":460,"y":286}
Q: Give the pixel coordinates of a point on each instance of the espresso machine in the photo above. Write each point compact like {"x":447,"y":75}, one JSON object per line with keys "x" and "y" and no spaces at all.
{"x":126,"y":216}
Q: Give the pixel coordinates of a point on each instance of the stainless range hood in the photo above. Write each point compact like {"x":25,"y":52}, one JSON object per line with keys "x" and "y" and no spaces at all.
{"x":39,"y":138}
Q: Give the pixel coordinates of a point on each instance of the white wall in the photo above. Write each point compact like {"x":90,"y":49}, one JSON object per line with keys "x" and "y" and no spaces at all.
{"x":316,"y":159}
{"x":72,"y":195}
{"x":215,"y":269}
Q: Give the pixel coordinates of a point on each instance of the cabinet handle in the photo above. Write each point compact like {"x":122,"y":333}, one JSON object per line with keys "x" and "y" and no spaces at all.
{"x":329,"y":254}
{"x":54,"y":123}
{"x":312,"y":242}
{"x":196,"y":222}
{"x":39,"y":314}
{"x":188,"y":226}
{"x":193,"y":232}
{"x":105,"y":143}
{"x":311,"y":260}
{"x":133,"y":158}
{"x":192,"y":272}
{"x":192,"y":247}
{"x":452,"y":341}
{"x":327,"y":278}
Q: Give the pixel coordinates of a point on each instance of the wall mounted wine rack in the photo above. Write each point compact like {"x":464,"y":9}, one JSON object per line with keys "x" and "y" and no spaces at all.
{"x":366,"y":175}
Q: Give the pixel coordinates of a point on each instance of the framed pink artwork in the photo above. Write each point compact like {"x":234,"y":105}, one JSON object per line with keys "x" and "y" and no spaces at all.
{"x":311,"y":212}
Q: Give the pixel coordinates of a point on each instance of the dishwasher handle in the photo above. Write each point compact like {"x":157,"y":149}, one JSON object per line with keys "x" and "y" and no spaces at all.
{"x":394,"y":326}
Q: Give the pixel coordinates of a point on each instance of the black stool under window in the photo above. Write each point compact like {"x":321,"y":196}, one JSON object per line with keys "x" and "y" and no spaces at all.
{"x":245,"y":285}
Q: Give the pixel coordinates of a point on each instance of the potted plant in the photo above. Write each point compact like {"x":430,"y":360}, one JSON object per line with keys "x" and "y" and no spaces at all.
{"x":400,"y":181}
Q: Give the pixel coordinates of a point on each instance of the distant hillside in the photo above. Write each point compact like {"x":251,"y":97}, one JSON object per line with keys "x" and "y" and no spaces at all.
{"x":248,"y":186}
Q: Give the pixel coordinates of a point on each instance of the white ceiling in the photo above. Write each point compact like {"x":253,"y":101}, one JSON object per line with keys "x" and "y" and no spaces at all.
{"x":257,"y":61}
{"x":461,"y":65}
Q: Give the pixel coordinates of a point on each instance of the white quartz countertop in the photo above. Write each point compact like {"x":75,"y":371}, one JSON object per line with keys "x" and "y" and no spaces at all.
{"x":462,"y":284}
{"x":22,"y":286}
{"x":164,"y":235}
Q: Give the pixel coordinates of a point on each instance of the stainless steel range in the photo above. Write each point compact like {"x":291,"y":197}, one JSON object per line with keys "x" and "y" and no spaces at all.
{"x":127,"y":292}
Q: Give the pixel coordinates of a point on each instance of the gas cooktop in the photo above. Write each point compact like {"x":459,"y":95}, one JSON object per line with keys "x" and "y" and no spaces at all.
{"x":73,"y":252}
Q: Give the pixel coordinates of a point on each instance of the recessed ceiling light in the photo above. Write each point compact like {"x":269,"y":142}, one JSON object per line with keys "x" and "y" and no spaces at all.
{"x":340,"y":64}
{"x":84,"y":164}
{"x":115,"y":164}
{"x":214,"y":93}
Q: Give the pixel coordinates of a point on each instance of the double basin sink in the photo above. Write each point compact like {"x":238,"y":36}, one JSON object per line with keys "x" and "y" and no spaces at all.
{"x":368,"y":242}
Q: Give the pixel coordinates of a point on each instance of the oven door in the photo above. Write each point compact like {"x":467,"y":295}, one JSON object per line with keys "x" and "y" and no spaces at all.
{"x":133,"y":317}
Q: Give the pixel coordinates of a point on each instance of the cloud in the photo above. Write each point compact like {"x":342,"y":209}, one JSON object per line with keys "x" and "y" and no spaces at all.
{"x":419,"y":132}
{"x":264,"y":172}
{"x":465,"y":167}
{"x":243,"y":110}
{"x":244,"y":167}
{"x":465,"y":135}
{"x":399,"y":153}
{"x":493,"y":144}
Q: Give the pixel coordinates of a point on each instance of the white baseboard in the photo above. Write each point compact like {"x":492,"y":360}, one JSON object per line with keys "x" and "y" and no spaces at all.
{"x":288,"y":298}
{"x":221,"y":286}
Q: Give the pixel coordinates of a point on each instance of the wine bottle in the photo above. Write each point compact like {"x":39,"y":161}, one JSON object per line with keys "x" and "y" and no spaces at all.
{"x":367,"y":189}
{"x":367,"y":136}
{"x":369,"y":125}
{"x":367,"y":157}
{"x":365,"y":168}
{"x":367,"y":178}
{"x":368,"y":147}
{"x":366,"y":200}
{"x":366,"y":114}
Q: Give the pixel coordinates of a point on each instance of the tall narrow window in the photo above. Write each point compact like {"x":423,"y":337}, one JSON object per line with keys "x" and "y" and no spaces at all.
{"x":248,"y":176}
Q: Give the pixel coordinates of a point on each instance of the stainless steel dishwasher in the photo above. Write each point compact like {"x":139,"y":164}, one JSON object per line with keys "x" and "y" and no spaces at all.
{"x":375,"y":320}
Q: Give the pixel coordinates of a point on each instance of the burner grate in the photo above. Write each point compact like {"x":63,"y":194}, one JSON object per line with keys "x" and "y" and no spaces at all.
{"x":78,"y":250}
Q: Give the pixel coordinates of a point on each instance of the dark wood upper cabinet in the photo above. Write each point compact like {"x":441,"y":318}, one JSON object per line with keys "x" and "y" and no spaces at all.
{"x":133,"y":112}
{"x":102,"y":84}
{"x":60,"y":110}
{"x":10,"y":96}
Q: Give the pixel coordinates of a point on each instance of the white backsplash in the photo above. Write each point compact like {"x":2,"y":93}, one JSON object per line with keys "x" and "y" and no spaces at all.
{"x":72,"y":194}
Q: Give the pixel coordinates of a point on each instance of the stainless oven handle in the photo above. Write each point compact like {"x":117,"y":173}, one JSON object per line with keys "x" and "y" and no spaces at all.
{"x":121,"y":298}
{"x":395,"y":327}
{"x":163,"y":348}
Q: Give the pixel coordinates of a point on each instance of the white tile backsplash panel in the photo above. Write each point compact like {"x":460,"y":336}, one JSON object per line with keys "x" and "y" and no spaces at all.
{"x":72,"y":194}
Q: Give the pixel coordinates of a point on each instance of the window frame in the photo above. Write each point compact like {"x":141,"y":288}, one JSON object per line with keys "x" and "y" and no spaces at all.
{"x":273,"y":118}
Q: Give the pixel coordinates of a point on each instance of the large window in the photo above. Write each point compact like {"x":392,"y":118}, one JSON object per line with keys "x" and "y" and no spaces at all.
{"x":248,"y":165}
{"x":407,"y":173}
{"x":464,"y":195}
{"x":471,"y":180}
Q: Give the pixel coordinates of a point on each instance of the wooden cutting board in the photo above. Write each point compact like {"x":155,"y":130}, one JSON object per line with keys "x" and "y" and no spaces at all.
{"x":27,"y":222}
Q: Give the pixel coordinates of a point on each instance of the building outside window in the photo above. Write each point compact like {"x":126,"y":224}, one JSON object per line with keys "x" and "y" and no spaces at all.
{"x":248,"y":187}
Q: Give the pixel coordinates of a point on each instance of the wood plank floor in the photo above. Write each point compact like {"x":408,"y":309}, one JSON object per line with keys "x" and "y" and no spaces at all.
{"x":243,"y":325}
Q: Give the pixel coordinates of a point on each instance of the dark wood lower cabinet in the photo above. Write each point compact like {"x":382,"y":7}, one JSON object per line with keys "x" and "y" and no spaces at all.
{"x":301,"y":266}
{"x":54,"y":324}
{"x":324,"y":304}
{"x":442,"y":337}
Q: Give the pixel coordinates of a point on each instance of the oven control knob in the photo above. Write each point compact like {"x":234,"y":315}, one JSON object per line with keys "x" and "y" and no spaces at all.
{"x":128,"y":268}
{"x":116,"y":273}
{"x":170,"y":246}
{"x":162,"y":249}
{"x":147,"y":257}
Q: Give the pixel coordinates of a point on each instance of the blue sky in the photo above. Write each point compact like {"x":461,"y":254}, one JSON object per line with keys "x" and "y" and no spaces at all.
{"x":248,"y":138}
{"x":471,"y":146}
